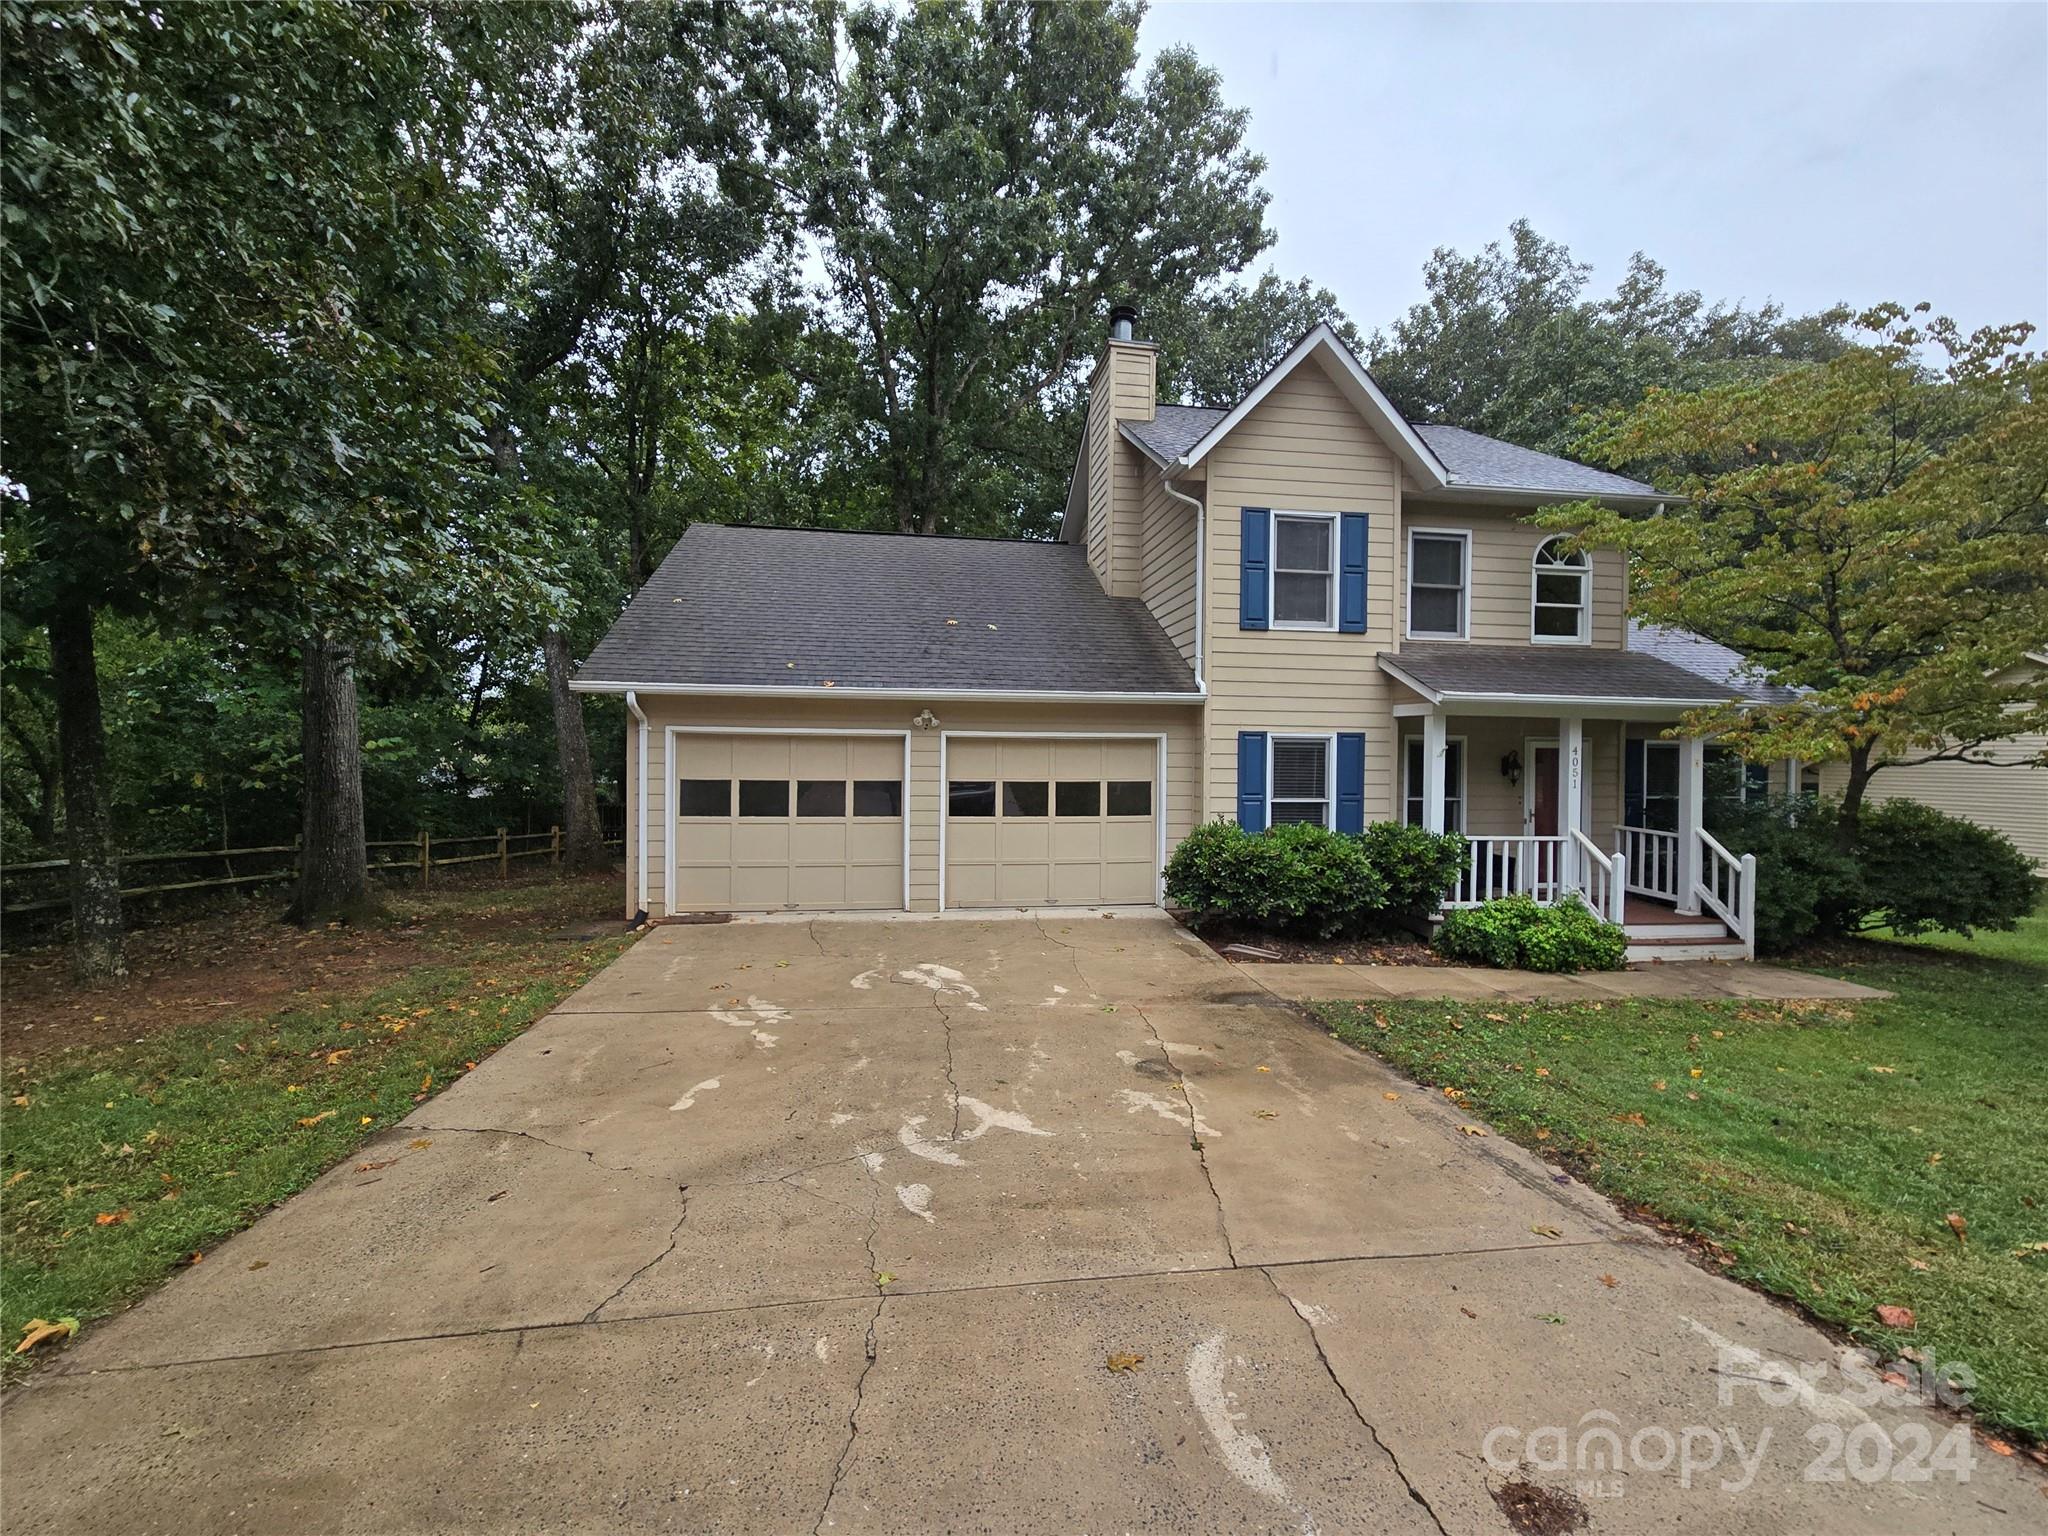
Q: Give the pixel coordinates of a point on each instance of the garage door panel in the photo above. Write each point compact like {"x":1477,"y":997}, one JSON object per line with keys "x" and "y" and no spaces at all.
{"x":827,"y":857}
{"x":1028,"y":853}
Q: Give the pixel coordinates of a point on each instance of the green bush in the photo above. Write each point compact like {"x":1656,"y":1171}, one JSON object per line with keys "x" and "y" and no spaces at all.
{"x":1924,"y":870}
{"x":1911,"y":869}
{"x":1293,"y":879}
{"x":1417,"y":866}
{"x":1517,"y":932}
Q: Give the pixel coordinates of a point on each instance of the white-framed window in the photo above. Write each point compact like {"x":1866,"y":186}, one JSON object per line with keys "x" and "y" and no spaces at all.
{"x":1454,"y":782}
{"x":1561,"y":596}
{"x":1729,"y":776}
{"x":1439,"y":578}
{"x":1299,"y":771}
{"x":1304,"y":573}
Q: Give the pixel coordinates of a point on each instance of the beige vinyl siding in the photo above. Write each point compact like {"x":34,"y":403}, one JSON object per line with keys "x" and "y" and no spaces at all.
{"x":1303,"y":448}
{"x":1179,"y":723}
{"x":1102,"y":438}
{"x":2011,"y":797}
{"x":1122,"y":389}
{"x":1168,"y":558}
{"x":1502,"y":574}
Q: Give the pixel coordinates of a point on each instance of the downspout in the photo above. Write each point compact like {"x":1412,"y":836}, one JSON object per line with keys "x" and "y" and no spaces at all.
{"x":1201,"y":567}
{"x":640,"y":716}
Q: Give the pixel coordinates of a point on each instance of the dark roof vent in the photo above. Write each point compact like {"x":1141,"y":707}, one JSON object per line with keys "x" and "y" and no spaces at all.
{"x":1123,"y":321}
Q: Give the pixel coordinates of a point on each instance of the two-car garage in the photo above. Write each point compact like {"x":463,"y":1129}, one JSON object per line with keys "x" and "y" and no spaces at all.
{"x":826,"y":821}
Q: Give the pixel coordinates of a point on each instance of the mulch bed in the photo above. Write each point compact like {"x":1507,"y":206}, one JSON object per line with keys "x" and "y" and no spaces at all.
{"x":1290,"y":951}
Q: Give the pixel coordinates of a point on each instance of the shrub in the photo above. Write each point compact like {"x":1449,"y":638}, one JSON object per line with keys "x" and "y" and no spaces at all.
{"x":1516,"y":931}
{"x":1912,"y":869}
{"x":1417,"y":866}
{"x":1300,"y":878}
{"x":1923,"y":869}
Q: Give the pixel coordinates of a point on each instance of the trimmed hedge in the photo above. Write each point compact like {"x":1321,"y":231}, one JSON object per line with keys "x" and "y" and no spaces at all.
{"x":1307,"y":879}
{"x":1519,"y":933}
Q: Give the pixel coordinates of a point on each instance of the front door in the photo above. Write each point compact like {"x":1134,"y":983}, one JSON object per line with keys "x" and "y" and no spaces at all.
{"x":1542,"y":783}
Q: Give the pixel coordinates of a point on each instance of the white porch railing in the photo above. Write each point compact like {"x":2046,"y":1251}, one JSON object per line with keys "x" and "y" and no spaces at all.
{"x":1507,"y":866}
{"x":1727,"y":887}
{"x":1603,"y":881}
{"x":1652,"y":861}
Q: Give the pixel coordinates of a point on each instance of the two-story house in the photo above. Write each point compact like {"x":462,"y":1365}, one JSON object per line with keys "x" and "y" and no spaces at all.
{"x":1300,"y":608}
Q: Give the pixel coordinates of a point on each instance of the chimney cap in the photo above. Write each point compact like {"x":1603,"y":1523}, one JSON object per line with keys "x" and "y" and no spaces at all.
{"x":1123,"y":320}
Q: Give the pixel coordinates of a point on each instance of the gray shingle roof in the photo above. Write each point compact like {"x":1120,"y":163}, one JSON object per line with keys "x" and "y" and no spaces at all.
{"x":1709,"y":658}
{"x":1456,"y":670}
{"x":1474,"y":459}
{"x":798,"y":607}
{"x":1175,"y":428}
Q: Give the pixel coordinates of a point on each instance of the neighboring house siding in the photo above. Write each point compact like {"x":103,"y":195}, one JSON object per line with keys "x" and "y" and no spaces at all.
{"x":1302,"y":449}
{"x":2009,"y":799}
{"x":1168,"y":561}
{"x":1502,"y":574}
{"x":1180,"y":723}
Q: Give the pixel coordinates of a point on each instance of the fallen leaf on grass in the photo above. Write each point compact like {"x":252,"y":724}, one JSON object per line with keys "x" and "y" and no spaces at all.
{"x":1122,"y":1361}
{"x":2030,"y":1251}
{"x":111,"y":1218}
{"x":882,"y":1278}
{"x":1895,"y":1317}
{"x":17,"y":1178}
{"x":1542,"y":1135}
{"x":1472,"y":1130}
{"x":1696,"y":1072}
{"x":336,"y":1058}
{"x":1390,"y":1095}
{"x":1609,"y":1281}
{"x":1658,"y":1085}
{"x":1919,"y":1264}
{"x":1543,"y":1071}
{"x":1633,"y":1117}
{"x":1998,"y":1447}
{"x":315,"y":1119}
{"x":1497,"y":1018}
{"x":1887,"y":1071}
{"x":373,"y":1167}
{"x":420,"y":1141}
{"x":1934,"y":1157}
{"x":1959,"y":1226}
{"x":37,"y":1330}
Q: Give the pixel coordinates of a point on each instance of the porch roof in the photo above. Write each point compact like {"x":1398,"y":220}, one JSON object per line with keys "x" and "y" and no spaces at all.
{"x":1457,"y":675}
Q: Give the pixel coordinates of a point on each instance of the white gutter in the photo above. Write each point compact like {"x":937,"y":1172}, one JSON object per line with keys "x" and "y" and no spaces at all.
{"x":1201,"y":569}
{"x":910,"y":695}
{"x":633,"y":708}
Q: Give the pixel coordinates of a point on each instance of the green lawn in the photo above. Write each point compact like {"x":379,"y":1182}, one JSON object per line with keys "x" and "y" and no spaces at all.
{"x":1820,"y":1149}
{"x":122,"y":1162}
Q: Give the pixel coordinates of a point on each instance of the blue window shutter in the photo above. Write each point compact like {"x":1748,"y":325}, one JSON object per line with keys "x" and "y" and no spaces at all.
{"x":1350,"y":781}
{"x":1351,"y":578}
{"x":1254,"y":562}
{"x":1251,"y":780}
{"x":1635,"y":791}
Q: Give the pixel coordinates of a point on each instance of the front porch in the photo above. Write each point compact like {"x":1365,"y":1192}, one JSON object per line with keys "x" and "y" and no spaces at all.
{"x":1586,"y":796}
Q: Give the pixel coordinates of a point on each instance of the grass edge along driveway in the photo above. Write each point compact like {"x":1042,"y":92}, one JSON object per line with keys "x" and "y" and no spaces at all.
{"x":1816,"y":1150}
{"x":122,"y":1163}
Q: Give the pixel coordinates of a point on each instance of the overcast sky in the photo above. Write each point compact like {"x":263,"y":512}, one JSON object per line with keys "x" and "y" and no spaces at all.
{"x":1799,"y":153}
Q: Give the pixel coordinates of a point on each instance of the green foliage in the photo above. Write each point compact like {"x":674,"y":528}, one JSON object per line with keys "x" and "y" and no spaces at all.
{"x":1216,"y":342}
{"x":1417,"y":865}
{"x":1507,"y":343}
{"x":1871,"y":530}
{"x":1910,"y":868}
{"x":1518,"y":932}
{"x":986,"y":181}
{"x":1301,"y":878}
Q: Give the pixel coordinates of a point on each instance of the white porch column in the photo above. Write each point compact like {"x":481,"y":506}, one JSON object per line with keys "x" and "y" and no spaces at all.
{"x":1793,"y":769}
{"x":1433,"y":771}
{"x":1692,"y":760}
{"x":1571,"y":773}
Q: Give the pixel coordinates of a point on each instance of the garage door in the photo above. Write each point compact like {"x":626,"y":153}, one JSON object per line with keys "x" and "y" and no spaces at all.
{"x":1033,"y":823}
{"x":767,"y":823}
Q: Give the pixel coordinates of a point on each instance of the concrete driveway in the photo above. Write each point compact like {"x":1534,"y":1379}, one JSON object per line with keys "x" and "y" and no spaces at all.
{"x":956,"y":1225}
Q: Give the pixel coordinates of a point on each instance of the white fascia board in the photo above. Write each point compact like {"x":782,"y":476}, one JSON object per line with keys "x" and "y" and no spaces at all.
{"x":909,"y":695}
{"x":1367,"y":396}
{"x":1509,"y":703}
{"x":1522,"y":496}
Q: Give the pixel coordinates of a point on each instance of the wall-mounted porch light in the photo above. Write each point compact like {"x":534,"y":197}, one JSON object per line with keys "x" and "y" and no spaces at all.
{"x":1511,"y":768}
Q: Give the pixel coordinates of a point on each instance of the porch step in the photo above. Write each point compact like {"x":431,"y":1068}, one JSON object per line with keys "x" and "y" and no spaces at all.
{"x":1697,"y":928}
{"x":1652,"y":943}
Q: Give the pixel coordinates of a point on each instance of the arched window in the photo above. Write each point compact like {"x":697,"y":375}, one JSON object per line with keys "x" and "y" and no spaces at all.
{"x":1563,"y":596}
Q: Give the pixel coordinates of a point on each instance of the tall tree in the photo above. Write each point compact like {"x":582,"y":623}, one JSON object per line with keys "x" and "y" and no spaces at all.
{"x":649,"y":178}
{"x":1508,"y":343}
{"x":986,"y":180}
{"x":1872,"y":530}
{"x":1217,"y":341}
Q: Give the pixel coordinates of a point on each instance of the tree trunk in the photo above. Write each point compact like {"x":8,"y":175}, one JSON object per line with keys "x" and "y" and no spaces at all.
{"x":582,"y":837}
{"x":334,"y":867}
{"x":1848,"y":823}
{"x":89,"y":829}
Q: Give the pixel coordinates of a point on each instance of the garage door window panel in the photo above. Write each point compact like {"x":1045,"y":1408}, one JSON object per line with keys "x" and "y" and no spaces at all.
{"x":1130,"y":797}
{"x":1078,"y":798}
{"x":1025,"y":798}
{"x":877,"y":797}
{"x":971,"y":798}
{"x":764,"y":797}
{"x":820,"y":797}
{"x":704,"y":797}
